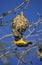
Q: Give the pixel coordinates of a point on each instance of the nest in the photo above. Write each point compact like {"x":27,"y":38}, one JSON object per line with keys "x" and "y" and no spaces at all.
{"x":20,"y":24}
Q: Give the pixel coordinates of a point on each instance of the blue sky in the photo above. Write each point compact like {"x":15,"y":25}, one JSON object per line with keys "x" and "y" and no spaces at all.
{"x":31,"y":13}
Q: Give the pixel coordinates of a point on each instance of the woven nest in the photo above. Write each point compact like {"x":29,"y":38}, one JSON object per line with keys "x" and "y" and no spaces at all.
{"x":20,"y":24}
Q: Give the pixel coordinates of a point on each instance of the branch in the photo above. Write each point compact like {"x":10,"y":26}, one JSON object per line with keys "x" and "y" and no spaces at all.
{"x":6,"y":36}
{"x":29,"y":34}
{"x":5,"y":60}
{"x":25,"y":52}
{"x":14,"y":10}
{"x":20,"y":58}
{"x":35,"y":25}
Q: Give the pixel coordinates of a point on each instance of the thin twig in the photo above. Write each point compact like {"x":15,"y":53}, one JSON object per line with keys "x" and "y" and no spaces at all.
{"x":6,"y":36}
{"x":35,"y":25}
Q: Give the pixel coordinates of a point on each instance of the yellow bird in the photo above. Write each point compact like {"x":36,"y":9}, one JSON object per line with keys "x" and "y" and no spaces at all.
{"x":22,"y":43}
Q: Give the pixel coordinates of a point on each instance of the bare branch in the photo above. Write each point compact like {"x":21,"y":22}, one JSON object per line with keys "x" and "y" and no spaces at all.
{"x":5,"y":60}
{"x":6,"y":36}
{"x":14,"y":10}
{"x":35,"y":25}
